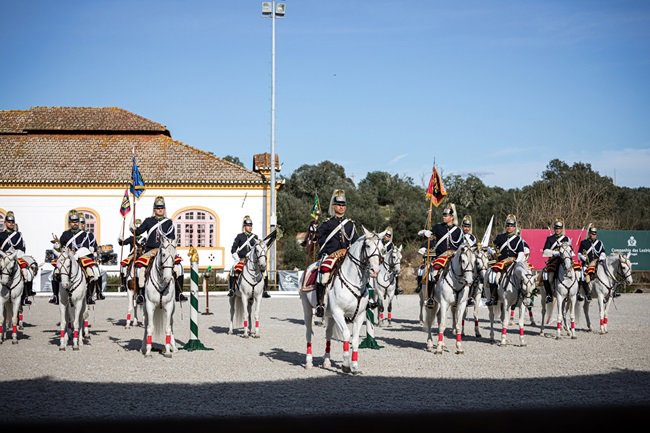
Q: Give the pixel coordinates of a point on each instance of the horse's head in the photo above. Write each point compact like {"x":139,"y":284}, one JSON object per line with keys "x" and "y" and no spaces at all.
{"x":393,"y":259}
{"x":625,"y":268}
{"x":167,"y":253}
{"x":467,"y":263}
{"x":66,"y":266}
{"x":526,"y":278}
{"x":372,"y":250}
{"x":566,"y":255}
{"x":482,"y":262}
{"x":7,"y":264}
{"x":257,"y":256}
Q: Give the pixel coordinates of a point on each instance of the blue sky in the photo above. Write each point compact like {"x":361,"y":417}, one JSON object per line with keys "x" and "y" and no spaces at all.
{"x":493,"y":88}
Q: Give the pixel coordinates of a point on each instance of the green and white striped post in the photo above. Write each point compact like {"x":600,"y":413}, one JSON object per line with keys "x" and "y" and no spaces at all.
{"x":194,"y":343}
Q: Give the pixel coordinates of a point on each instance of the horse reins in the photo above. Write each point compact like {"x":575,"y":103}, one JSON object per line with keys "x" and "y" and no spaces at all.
{"x":362,"y":268}
{"x":12,"y":276}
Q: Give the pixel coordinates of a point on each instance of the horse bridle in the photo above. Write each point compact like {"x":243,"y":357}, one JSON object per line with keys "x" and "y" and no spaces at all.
{"x":66,"y":269}
{"x":256,"y":266}
{"x":463,"y":270}
{"x":361,"y":268}
{"x":11,"y":275}
{"x":568,"y":269}
{"x":619,"y":272}
{"x":390,"y":266}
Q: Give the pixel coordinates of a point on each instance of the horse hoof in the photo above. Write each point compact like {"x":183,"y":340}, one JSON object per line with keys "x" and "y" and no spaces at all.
{"x":245,"y":336}
{"x":230,"y":332}
{"x":75,"y":348}
{"x":574,"y":337}
{"x":327,"y":363}
{"x":61,"y":349}
{"x":309,"y":366}
{"x":20,"y":328}
{"x":460,"y":352}
{"x":14,"y":341}
{"x":147,"y":355}
{"x":256,"y":336}
{"x":167,"y":354}
{"x":523,"y":344}
{"x":346,"y":369}
{"x":357,"y":372}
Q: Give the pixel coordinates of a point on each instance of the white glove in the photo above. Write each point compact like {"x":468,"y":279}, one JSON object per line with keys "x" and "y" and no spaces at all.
{"x":92,"y":250}
{"x":556,"y":254}
{"x":490,"y":250}
{"x":425,"y":233}
{"x":235,"y":257}
{"x":422,"y":251}
{"x":582,"y":257}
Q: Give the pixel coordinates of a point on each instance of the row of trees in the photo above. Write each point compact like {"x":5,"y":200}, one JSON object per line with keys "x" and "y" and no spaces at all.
{"x":576,"y":193}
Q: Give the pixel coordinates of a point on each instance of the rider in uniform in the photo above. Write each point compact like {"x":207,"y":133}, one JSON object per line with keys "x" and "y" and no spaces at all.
{"x":589,"y":253}
{"x":141,"y":240}
{"x":91,"y":243}
{"x":241,"y":246}
{"x":75,"y":239}
{"x":387,"y":242}
{"x":509,"y":245}
{"x":448,"y":238}
{"x":154,"y":228}
{"x":334,"y":237}
{"x":11,"y":240}
{"x":551,"y":250}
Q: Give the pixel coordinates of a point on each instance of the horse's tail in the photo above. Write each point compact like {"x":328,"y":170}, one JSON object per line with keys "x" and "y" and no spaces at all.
{"x":336,"y":332}
{"x":158,"y":324}
{"x":238,"y":318}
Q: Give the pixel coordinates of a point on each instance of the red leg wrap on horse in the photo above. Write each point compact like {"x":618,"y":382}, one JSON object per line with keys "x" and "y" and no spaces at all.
{"x":75,"y":334}
{"x":328,"y":346}
{"x":559,"y":325}
{"x":85,"y":323}
{"x":149,"y":340}
{"x":245,"y":323}
{"x":168,"y":339}
{"x":14,"y":329}
{"x":1,"y":329}
{"x":128,"y":317}
{"x":606,"y":320}
{"x":20,"y":317}
{"x":573,"y":325}
{"x":476,"y":322}
{"x":458,"y":337}
{"x":346,"y":346}
{"x":62,"y":333}
{"x":390,"y":316}
{"x":257,"y":323}
{"x":355,"y":356}
{"x":463,"y":323}
{"x":521,"y":332}
{"x":381,"y":316}
{"x":602,"y":322}
{"x":309,"y":348}
{"x":440,"y":337}
{"x":504,"y":331}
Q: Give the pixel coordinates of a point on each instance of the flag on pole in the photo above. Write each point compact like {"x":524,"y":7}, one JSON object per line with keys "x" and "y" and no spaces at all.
{"x":436,"y":190}
{"x":137,"y":183}
{"x":125,"y":208}
{"x":316,"y":207}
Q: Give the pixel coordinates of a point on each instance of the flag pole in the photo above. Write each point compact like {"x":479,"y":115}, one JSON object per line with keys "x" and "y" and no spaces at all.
{"x":122,"y":237}
{"x":427,"y":257}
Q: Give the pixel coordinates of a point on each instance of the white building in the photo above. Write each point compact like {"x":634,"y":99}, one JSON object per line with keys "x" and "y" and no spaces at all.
{"x":55,"y":159}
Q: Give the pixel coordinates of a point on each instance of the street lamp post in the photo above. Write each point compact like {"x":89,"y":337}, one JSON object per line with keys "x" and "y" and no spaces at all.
{"x":273,"y":10}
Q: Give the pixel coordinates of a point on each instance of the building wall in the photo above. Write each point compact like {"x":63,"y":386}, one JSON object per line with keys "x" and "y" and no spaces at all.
{"x":40,"y":212}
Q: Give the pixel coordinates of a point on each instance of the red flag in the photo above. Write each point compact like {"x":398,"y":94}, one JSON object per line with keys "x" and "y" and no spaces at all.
{"x":125,"y":208}
{"x":436,"y":190}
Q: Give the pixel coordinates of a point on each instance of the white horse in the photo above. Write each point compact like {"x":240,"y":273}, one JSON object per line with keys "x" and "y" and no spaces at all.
{"x":476,"y":290}
{"x":452,"y":289}
{"x":11,"y":290}
{"x":565,"y":287}
{"x":249,"y":287}
{"x":159,"y":299}
{"x":347,"y":299}
{"x":516,"y":285}
{"x":386,"y":283}
{"x":615,"y":269}
{"x":72,"y":300}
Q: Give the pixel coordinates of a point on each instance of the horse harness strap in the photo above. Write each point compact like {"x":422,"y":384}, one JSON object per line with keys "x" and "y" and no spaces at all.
{"x":11,"y":275}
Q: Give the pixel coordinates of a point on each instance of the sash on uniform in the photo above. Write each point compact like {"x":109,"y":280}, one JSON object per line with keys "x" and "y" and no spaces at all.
{"x":7,"y":241}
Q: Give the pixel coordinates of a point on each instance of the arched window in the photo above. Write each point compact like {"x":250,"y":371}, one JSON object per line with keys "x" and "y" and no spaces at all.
{"x":92,"y":221}
{"x":195,"y":227}
{"x":2,"y":220}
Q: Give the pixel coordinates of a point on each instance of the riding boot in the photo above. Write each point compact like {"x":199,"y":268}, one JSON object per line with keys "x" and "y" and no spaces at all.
{"x":55,"y":292}
{"x":231,"y":285}
{"x":139,"y":298}
{"x":320,"y":296}
{"x":179,"y":290}
{"x":549,"y":294}
{"x":89,"y":294}
{"x":30,"y":288}
{"x":100,"y":283}
{"x":24,"y":300}
{"x":398,"y":289}
{"x":430,"y":293}
{"x":418,"y":285}
{"x":493,"y":295}
{"x":265,"y":293}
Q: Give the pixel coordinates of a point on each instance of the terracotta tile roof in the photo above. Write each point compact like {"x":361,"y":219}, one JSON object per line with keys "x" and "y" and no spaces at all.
{"x":77,"y":119}
{"x":93,"y":146}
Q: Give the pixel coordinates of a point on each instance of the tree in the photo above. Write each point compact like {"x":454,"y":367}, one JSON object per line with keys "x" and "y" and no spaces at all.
{"x":234,"y":160}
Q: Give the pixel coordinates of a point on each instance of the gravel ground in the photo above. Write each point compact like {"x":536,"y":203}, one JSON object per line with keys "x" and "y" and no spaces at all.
{"x":109,"y":379}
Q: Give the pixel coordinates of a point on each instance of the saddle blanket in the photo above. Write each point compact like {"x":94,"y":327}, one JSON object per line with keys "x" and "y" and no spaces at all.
{"x":440,"y":262}
{"x":126,"y":261}
{"x":177,"y":260}
{"x":551,"y":265}
{"x":22,"y":263}
{"x":577,"y":265}
{"x":239,"y":266}
{"x":503,"y":264}
{"x":87,"y":262}
{"x":591,"y":270}
{"x":328,"y":263}
{"x":310,"y":281}
{"x":142,"y":262}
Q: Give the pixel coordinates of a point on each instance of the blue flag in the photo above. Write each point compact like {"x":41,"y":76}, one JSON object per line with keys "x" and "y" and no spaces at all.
{"x":137,"y":184}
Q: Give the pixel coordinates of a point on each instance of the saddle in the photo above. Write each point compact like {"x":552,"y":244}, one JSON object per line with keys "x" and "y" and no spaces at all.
{"x":329,"y":263}
{"x":503,"y":265}
{"x":87,"y":262}
{"x":239,"y":266}
{"x":22,"y":263}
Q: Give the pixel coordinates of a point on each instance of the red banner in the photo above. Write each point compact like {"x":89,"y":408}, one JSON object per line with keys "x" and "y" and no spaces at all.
{"x":536,"y":238}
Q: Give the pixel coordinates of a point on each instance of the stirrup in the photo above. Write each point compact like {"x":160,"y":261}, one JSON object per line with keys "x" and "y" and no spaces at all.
{"x":430,"y":303}
{"x":265,"y":294}
{"x":231,"y":293}
{"x":549,"y":299}
{"x":580,"y":298}
{"x":54,"y":300}
{"x":320,"y":311}
{"x":26,"y":301}
{"x":139,"y":299}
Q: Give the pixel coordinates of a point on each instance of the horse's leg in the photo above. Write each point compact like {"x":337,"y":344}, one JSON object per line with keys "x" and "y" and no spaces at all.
{"x":169,"y":309}
{"x":606,"y":313}
{"x":129,"y":310}
{"x":2,"y":318}
{"x":505,"y":317}
{"x":572,"y":315}
{"x":75,"y":323}
{"x":307,"y":314}
{"x":14,"y":320}
{"x":543,"y":305}
{"x":256,"y":315}
{"x":390,"y":310}
{"x":339,"y":319}
{"x":491,"y":311}
{"x":232,"y":301}
{"x":63,"y":319}
{"x":329,"y":329}
{"x":356,"y":330}
{"x":460,"y":312}
{"x":560,"y":315}
{"x":149,"y":325}
{"x":442,"y":323}
{"x":585,"y":310}
{"x":477,"y":302}
{"x":244,"y":304}
{"x":522,"y":312}
{"x":422,"y":308}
